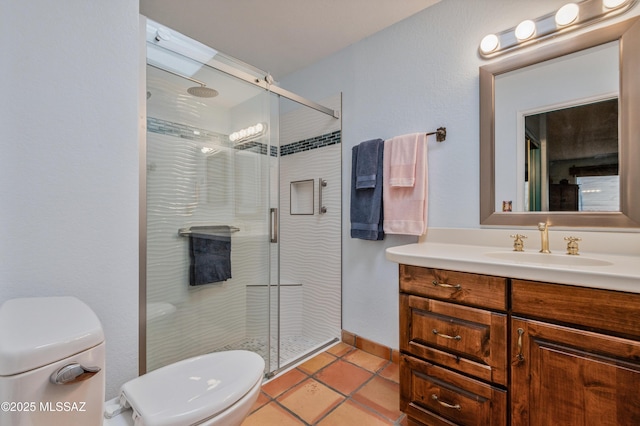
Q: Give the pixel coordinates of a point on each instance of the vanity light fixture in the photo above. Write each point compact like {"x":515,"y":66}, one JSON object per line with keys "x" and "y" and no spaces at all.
{"x":612,"y":4}
{"x":567,"y":14}
{"x":525,"y":30}
{"x":569,"y":17}
{"x":489,"y":43}
{"x":248,"y":133}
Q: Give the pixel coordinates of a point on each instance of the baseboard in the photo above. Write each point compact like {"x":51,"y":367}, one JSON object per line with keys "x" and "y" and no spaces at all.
{"x":370,"y":346}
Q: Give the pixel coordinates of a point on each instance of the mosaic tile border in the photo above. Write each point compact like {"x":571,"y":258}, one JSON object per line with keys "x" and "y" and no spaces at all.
{"x":165,"y":127}
{"x":184,"y":131}
{"x":312,"y":143}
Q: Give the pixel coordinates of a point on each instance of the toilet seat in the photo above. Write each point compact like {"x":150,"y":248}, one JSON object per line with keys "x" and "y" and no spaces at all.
{"x":193,"y":390}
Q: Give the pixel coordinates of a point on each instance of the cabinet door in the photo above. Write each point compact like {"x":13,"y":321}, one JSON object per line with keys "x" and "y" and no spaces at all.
{"x":565,"y":376}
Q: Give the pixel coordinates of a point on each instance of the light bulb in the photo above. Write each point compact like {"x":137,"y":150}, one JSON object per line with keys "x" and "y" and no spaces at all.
{"x":612,"y":4}
{"x":567,"y":14}
{"x":489,"y":43}
{"x":525,"y":29}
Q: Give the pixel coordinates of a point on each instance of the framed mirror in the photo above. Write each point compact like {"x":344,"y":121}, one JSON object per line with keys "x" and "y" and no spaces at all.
{"x":519,"y":172}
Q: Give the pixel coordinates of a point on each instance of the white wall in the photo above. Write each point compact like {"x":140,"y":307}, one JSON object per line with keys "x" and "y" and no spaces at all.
{"x":69,"y":162}
{"x":417,"y":75}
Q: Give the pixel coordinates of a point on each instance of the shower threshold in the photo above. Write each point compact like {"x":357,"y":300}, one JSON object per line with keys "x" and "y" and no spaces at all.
{"x":292,"y":350}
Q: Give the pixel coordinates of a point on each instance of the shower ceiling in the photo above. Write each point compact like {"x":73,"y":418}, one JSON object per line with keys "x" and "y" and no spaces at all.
{"x":280,"y":36}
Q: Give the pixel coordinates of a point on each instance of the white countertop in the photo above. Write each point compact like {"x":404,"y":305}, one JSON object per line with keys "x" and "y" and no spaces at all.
{"x":623,"y":273}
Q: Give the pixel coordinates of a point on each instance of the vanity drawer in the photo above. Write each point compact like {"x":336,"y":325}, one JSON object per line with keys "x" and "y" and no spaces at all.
{"x":610,"y":311}
{"x":436,"y":396}
{"x":470,"y":289}
{"x":467,"y":339}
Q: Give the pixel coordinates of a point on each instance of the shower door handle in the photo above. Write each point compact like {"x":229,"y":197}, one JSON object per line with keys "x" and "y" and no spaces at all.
{"x":273,"y":225}
{"x":321,"y":184}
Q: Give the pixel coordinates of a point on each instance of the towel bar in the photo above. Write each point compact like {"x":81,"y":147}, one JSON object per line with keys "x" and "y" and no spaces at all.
{"x":185,"y":232}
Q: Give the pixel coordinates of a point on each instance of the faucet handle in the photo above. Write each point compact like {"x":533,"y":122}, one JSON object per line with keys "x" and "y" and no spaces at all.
{"x":518,"y":244}
{"x":572,"y":245}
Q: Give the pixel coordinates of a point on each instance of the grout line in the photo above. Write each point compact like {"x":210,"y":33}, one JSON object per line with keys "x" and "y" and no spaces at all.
{"x":345,"y":398}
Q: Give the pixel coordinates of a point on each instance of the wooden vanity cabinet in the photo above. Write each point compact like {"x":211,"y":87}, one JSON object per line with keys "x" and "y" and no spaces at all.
{"x":453,"y":340}
{"x":576,"y":356}
{"x":479,"y":350}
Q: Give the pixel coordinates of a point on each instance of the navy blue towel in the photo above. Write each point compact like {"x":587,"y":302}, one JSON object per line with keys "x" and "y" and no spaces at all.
{"x":210,"y":258}
{"x":367,"y":164}
{"x":366,"y":203}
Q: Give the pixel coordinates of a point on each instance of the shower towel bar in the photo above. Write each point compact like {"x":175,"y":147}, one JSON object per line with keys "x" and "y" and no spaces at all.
{"x":185,"y":232}
{"x":441,"y":134}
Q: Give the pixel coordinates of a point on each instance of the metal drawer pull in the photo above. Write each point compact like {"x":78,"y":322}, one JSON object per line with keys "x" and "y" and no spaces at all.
{"x":444,"y":404}
{"x":446,"y":336}
{"x":519,"y":356}
{"x":437,"y":284}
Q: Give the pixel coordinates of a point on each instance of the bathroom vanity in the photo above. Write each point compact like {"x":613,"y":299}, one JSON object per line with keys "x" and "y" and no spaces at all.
{"x":499,"y":348}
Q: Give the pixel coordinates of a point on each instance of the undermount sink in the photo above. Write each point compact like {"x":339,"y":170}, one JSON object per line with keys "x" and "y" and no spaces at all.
{"x":547,"y":259}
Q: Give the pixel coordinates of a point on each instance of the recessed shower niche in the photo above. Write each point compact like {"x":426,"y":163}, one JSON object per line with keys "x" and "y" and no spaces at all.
{"x":302,"y":197}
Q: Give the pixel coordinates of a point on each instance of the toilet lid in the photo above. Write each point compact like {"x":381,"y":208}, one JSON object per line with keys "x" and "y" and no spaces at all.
{"x":193,"y":390}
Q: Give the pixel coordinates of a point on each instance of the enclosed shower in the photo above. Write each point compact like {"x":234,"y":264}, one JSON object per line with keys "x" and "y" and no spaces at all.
{"x":241,"y":211}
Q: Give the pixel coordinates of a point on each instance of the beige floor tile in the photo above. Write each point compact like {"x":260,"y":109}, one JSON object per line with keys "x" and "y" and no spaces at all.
{"x":365,"y":360}
{"x":343,"y":376}
{"x":317,"y":362}
{"x":280,"y":384}
{"x":351,"y":414}
{"x":272,"y":415}
{"x":381,"y":395}
{"x":340,"y":349}
{"x":310,"y":400}
{"x":263,"y":399}
{"x":391,"y":372}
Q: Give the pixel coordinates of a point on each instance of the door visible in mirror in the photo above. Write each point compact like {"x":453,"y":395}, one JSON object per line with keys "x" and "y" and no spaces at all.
{"x":563,"y":147}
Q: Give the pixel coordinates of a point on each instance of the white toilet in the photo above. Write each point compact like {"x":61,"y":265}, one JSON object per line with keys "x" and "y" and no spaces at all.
{"x":52,"y":359}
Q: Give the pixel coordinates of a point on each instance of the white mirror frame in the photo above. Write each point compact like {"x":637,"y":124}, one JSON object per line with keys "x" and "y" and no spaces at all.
{"x":628,"y":34}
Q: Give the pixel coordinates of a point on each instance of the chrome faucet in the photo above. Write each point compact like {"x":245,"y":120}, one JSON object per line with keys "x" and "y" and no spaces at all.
{"x":543,"y":227}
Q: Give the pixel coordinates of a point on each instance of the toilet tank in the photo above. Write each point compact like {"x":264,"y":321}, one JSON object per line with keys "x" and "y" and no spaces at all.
{"x":52,"y":358}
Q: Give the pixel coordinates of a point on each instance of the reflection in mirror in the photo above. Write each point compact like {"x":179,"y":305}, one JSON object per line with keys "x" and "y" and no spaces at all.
{"x":578,"y":149}
{"x":581,"y":78}
{"x":504,"y":199}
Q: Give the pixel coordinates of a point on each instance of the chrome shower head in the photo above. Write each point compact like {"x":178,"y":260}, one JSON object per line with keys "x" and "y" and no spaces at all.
{"x":202,"y":92}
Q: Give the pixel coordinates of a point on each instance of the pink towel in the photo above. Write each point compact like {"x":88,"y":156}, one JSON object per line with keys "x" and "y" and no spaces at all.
{"x":402,"y":168}
{"x":405,"y":207}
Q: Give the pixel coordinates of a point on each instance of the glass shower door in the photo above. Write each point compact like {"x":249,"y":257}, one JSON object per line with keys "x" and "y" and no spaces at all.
{"x":308,"y":186}
{"x":230,"y":159}
{"x":207,"y":178}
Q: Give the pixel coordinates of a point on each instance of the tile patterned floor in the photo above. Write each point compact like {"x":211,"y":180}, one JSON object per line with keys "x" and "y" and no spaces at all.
{"x":343,"y":386}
